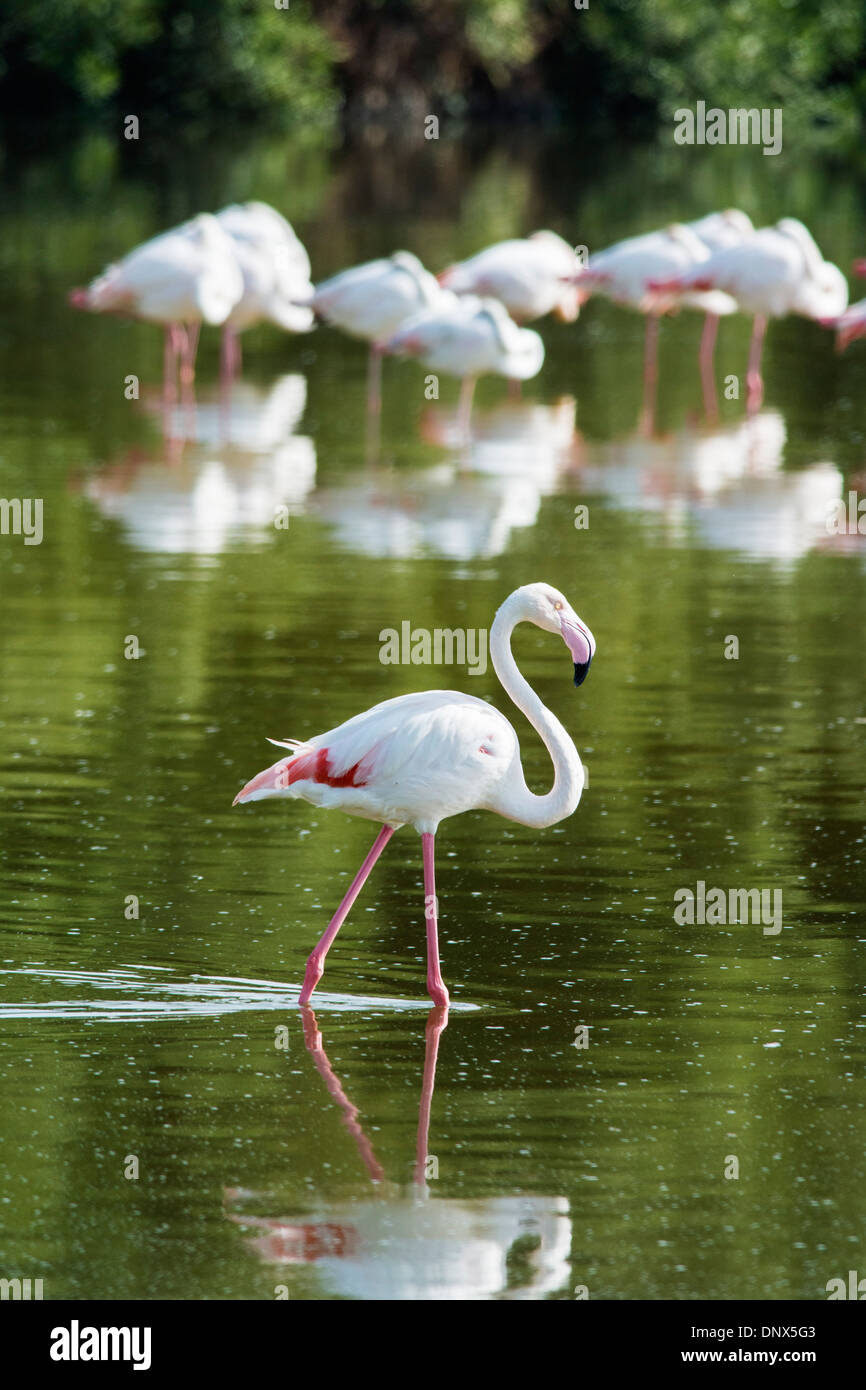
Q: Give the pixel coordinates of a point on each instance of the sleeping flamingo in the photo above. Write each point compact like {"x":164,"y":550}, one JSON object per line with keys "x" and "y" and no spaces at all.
{"x":419,"y":758}
{"x":528,"y":275}
{"x":777,"y":271}
{"x":182,"y":278}
{"x":371,"y":301}
{"x":467,"y":337}
{"x":276,"y":274}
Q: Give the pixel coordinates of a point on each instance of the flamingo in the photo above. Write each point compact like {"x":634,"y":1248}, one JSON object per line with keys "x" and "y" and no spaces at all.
{"x":851,"y":324}
{"x":626,"y":271}
{"x":528,"y":275}
{"x":777,"y":271}
{"x":372,"y":300}
{"x":276,"y":274}
{"x":717,"y":230}
{"x":182,"y":278}
{"x":466,"y":337}
{"x":419,"y":758}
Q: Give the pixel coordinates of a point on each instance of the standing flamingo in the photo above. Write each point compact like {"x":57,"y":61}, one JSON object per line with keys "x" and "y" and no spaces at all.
{"x":467,"y":337}
{"x":777,"y":271}
{"x":717,"y":230}
{"x":417,"y":759}
{"x":276,"y":272}
{"x":528,"y":275}
{"x":625,"y":273}
{"x":851,"y":324}
{"x":182,"y":278}
{"x":372,"y":300}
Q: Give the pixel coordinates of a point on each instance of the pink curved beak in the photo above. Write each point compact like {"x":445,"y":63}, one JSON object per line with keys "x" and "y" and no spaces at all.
{"x":581,"y":644}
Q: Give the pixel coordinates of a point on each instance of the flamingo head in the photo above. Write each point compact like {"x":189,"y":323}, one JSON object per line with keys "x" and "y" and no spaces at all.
{"x":549,"y":609}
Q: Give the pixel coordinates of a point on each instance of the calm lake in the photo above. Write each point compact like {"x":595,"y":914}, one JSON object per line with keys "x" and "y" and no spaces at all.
{"x":173,"y":1126}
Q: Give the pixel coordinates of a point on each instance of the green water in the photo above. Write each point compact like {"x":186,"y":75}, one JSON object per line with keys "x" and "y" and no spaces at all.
{"x":266,"y":1167}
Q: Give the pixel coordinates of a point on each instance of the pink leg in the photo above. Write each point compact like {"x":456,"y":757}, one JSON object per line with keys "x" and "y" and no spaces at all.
{"x":464,"y":407}
{"x":316,"y":962}
{"x":705,"y":358}
{"x":435,"y":984}
{"x":514,"y":392}
{"x":230,"y":358}
{"x":436,"y":1024}
{"x":169,"y":369}
{"x":754,"y":382}
{"x":374,"y":380}
{"x":187,"y":371}
{"x":650,"y":373}
{"x":188,"y":339}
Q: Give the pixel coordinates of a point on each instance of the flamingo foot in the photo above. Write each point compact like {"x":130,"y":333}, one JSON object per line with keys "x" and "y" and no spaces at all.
{"x":754,"y":391}
{"x":312,"y":975}
{"x":438,"y":992}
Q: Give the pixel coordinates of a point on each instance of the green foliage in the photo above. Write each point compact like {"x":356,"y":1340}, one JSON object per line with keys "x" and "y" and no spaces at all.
{"x":614,"y":63}
{"x":201,"y":59}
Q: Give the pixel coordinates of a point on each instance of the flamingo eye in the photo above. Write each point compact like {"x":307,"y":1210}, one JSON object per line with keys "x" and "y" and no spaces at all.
{"x":557,"y":604}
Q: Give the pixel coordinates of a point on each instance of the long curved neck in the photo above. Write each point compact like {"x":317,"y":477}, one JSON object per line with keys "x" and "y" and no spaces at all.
{"x":514,"y":800}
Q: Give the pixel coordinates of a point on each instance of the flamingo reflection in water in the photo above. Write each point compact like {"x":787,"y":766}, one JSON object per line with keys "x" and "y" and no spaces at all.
{"x":725,"y":487}
{"x":466,"y":507}
{"x":229,"y":480}
{"x":409,"y":1244}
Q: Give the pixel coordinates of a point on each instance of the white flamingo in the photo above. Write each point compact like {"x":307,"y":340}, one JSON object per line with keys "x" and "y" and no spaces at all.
{"x":717,"y":230}
{"x":372,"y":300}
{"x":467,"y":337}
{"x":777,"y":271}
{"x":420,"y":758}
{"x":851,"y":324}
{"x":528,"y":275}
{"x":181,"y":279}
{"x":276,"y":274}
{"x":625,"y":274}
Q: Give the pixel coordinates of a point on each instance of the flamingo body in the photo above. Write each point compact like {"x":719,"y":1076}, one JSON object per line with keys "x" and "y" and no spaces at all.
{"x":415,"y":759}
{"x":370,"y":301}
{"x":626,"y":271}
{"x":187,"y":275}
{"x":777,"y":271}
{"x":275,"y":269}
{"x":719,"y":229}
{"x":527,"y":275}
{"x":467,"y":337}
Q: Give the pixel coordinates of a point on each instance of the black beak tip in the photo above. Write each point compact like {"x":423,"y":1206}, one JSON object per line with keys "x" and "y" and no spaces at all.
{"x":581,"y":671}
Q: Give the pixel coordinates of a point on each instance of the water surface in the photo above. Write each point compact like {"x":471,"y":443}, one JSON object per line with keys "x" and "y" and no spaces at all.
{"x":279,"y":1151}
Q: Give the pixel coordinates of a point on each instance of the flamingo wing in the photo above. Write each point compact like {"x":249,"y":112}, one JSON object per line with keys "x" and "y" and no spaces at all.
{"x":416,"y":758}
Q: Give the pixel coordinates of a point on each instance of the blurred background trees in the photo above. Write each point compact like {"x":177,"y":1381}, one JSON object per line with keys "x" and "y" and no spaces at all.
{"x":623,"y":62}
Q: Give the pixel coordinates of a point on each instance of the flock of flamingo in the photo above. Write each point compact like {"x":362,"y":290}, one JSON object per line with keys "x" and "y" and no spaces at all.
{"x":420,"y":758}
{"x":245,"y":265}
